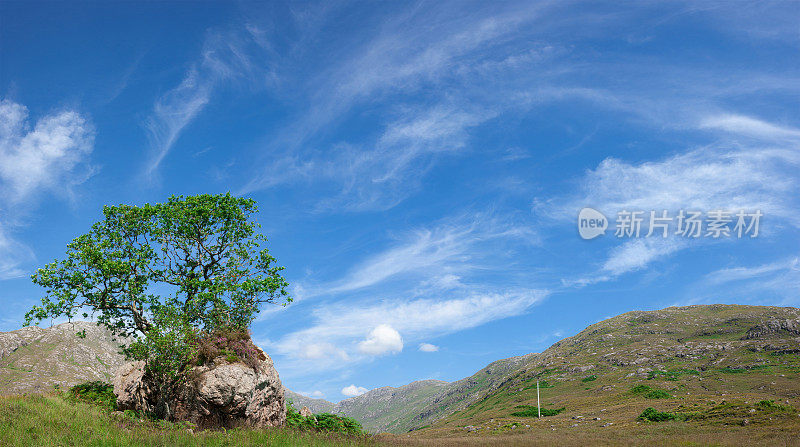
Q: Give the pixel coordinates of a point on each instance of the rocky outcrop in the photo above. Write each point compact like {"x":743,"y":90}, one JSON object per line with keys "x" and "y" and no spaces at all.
{"x":306,"y":412}
{"x":773,"y":327}
{"x":220,"y":394}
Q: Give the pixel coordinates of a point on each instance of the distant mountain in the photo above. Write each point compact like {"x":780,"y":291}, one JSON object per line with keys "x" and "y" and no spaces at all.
{"x":315,"y":405}
{"x":388,"y":409}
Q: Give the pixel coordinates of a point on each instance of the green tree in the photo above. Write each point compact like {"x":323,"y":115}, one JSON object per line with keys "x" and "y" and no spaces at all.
{"x":162,"y":274}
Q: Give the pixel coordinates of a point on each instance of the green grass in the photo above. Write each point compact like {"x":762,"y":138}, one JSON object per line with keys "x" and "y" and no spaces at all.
{"x":728,"y":370}
{"x":672,"y":374}
{"x":649,"y":392}
{"x":542,"y":385}
{"x":589,"y":378}
{"x":531,"y":411}
{"x":53,"y":420}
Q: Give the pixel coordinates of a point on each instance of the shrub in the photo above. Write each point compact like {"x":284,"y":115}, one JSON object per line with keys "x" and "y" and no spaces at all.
{"x":323,"y":422}
{"x":650,"y":393}
{"x":589,"y":378}
{"x":531,"y":411}
{"x":653,"y":415}
{"x":98,"y":393}
{"x":334,"y":423}
{"x":658,"y":394}
{"x":771,"y":405}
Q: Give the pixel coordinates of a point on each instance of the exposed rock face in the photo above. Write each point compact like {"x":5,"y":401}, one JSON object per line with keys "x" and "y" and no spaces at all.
{"x":306,"y":412}
{"x":133,"y":391}
{"x":773,"y":327}
{"x":218,"y":395}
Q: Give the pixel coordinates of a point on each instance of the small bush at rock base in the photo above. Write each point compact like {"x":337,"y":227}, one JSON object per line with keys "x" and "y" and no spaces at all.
{"x":326,"y":422}
{"x":98,"y":393}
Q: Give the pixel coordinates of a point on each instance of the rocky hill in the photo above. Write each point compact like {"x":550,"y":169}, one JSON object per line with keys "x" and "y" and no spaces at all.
{"x":34,"y":359}
{"x":718,"y":364}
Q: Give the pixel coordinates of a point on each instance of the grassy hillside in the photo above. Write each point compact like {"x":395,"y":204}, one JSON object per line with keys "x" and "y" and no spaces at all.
{"x":389,"y":409}
{"x":462,"y":393}
{"x":53,"y":421}
{"x":711,"y":367}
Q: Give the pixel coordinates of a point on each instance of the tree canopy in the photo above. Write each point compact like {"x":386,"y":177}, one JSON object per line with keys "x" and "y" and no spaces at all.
{"x":196,"y":263}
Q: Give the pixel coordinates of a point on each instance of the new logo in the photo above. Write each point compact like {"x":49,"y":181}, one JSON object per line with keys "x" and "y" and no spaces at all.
{"x":591,"y":223}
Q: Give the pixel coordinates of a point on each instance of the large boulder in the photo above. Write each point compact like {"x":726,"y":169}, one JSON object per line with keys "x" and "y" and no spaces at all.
{"x":220,"y":394}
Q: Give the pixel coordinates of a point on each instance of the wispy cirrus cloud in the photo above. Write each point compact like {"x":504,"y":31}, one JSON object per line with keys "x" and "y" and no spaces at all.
{"x":773,"y":283}
{"x":759,"y":174}
{"x":379,"y":175}
{"x":227,"y":55}
{"x":427,"y":347}
{"x":749,"y":126}
{"x":396,"y":60}
{"x":436,"y":256}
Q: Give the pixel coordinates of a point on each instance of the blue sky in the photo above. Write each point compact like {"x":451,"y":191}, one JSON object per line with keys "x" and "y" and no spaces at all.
{"x":419,"y":166}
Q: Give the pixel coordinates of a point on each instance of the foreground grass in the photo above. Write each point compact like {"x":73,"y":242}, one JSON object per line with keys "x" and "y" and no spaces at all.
{"x":53,"y":421}
{"x":667,"y":434}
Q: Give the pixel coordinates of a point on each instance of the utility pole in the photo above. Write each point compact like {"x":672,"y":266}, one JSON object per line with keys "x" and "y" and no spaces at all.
{"x":538,"y":405}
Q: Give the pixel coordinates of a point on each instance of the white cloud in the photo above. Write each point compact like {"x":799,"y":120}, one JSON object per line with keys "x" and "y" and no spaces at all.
{"x":353,"y":391}
{"x":340,"y":334}
{"x":397,"y":59}
{"x":701,"y":179}
{"x":774,"y":284}
{"x":44,"y":158}
{"x":728,"y":275}
{"x":638,"y":253}
{"x":49,"y":157}
{"x":382,"y":340}
{"x":427,"y":347}
{"x":323,"y":350}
